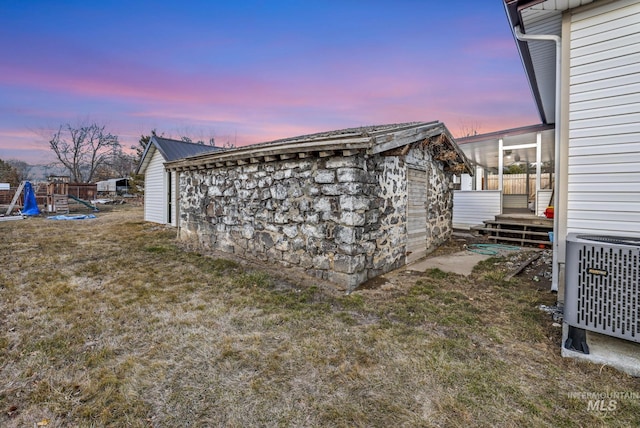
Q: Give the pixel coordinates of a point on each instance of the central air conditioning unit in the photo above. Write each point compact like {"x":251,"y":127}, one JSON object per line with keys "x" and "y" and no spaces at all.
{"x":602,"y":292}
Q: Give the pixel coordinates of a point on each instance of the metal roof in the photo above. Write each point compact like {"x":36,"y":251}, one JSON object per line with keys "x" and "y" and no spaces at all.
{"x":538,"y":57}
{"x":171,"y":150}
{"x":483,"y":150}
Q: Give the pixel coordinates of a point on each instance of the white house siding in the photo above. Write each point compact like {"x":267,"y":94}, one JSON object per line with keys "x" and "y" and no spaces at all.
{"x":472,"y":208}
{"x":543,"y":200}
{"x":603,"y":182}
{"x":155,"y":194}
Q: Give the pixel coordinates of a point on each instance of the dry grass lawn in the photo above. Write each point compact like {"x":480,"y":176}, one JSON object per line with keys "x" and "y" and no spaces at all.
{"x":108,"y":322}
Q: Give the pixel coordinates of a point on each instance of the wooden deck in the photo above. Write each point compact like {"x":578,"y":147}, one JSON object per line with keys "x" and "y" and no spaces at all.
{"x":522,"y":229}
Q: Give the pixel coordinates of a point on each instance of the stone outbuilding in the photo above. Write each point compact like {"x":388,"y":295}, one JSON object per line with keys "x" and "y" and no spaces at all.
{"x":344,"y":206}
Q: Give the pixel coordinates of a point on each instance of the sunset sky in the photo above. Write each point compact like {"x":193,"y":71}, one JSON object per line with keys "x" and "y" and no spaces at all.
{"x":253,"y":71}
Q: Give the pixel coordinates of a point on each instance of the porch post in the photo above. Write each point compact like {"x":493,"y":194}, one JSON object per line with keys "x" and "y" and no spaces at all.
{"x":538,"y":168}
{"x":500,"y":163}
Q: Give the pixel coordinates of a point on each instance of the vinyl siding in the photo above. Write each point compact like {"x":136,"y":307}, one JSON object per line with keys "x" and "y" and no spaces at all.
{"x":603,"y":184}
{"x":155,"y":193}
{"x":472,"y":208}
{"x":543,"y":200}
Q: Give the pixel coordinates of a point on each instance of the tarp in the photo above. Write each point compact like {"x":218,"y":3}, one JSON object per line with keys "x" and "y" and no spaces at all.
{"x":71,"y":217}
{"x":30,"y":205}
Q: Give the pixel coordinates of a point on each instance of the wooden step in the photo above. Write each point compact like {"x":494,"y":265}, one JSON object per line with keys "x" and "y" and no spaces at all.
{"x":528,"y":232}
{"x":519,"y":224}
{"x":524,"y":233}
{"x":528,"y":241}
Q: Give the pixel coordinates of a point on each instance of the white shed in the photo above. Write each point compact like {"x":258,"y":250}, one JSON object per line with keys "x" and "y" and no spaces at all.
{"x":160,"y":185}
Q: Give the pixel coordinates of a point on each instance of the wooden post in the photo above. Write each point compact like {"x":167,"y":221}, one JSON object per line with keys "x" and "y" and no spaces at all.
{"x":15,"y":198}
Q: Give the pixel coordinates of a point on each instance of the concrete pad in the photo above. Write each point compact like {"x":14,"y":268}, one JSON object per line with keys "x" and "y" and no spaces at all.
{"x":605,"y":350}
{"x":461,"y":263}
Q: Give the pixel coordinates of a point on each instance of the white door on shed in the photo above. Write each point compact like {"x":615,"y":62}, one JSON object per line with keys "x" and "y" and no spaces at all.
{"x":418,"y":188}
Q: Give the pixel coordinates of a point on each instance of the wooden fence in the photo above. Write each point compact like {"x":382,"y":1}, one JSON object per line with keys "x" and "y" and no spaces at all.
{"x":516,"y":184}
{"x":83,"y":191}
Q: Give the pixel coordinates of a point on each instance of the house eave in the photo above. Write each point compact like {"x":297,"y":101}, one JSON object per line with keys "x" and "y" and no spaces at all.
{"x":532,"y":16}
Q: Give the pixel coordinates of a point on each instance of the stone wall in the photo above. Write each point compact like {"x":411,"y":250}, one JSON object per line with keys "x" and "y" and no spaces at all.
{"x":340,"y":218}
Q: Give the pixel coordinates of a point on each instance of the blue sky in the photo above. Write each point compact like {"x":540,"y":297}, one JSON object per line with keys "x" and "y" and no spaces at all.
{"x":253,"y":71}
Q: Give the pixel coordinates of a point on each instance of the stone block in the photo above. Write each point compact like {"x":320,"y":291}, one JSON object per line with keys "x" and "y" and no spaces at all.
{"x":297,"y":244}
{"x":350,"y":249}
{"x":344,"y":235}
{"x":295,"y":191}
{"x":331,"y":190}
{"x":279,"y":192}
{"x":368,"y":247}
{"x":290,"y":231}
{"x":304,"y":174}
{"x":282,"y":244}
{"x":329,"y":216}
{"x":351,"y":175}
{"x":345,"y":162}
{"x":244,"y":194}
{"x":265,"y":182}
{"x":280,"y":218}
{"x":352,"y":218}
{"x":315,"y":272}
{"x":274,"y":254}
{"x":351,"y":188}
{"x":271,"y":227}
{"x":348,"y":264}
{"x":372,"y":216}
{"x":304,"y":205}
{"x":328,"y":247}
{"x":321,"y":262}
{"x":312,"y":230}
{"x":313,"y":190}
{"x":291,"y":257}
{"x":354,"y":203}
{"x":324,"y":204}
{"x":347,"y":280}
{"x":297,"y":164}
{"x":248,"y":231}
{"x":251,"y":168}
{"x":214,"y":191}
{"x":225,"y":246}
{"x":306,"y":261}
{"x":325,"y":176}
{"x":264,"y":215}
{"x":265,"y":239}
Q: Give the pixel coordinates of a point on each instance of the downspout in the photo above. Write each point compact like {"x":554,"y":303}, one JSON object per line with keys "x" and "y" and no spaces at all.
{"x":556,"y":182}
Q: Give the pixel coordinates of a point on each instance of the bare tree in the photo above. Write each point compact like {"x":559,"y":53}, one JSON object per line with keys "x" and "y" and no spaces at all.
{"x":9,"y":174}
{"x":468,"y":128}
{"x":23,"y":168}
{"x":84,"y":149}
